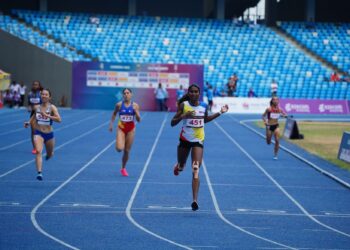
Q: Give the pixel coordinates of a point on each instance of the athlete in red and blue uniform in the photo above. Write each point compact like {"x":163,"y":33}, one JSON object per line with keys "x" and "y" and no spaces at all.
{"x":128,"y":112}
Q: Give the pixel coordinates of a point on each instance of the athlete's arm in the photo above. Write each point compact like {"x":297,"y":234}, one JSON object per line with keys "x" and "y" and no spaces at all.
{"x":137,"y":112}
{"x":178,"y":116}
{"x":209,"y":118}
{"x":264,"y":115}
{"x":55,"y":115}
{"x":284,"y":114}
{"x":31,"y":121}
{"x":114,"y":115}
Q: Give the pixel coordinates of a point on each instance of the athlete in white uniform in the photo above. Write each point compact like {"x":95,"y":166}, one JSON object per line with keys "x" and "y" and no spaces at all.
{"x":194,"y":115}
{"x":41,"y":121}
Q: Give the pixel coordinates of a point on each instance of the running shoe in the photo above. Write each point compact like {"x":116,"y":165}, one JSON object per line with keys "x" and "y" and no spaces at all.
{"x":34,"y":151}
{"x":39,"y":177}
{"x":176,"y":170}
{"x":194,"y":206}
{"x":275,"y":158}
{"x":124,"y":172}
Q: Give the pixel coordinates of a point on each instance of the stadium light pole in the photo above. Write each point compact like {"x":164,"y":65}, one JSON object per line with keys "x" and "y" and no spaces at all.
{"x":220,"y":9}
{"x":132,"y":8}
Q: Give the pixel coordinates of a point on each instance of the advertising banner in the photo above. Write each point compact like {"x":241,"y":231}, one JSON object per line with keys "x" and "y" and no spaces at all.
{"x":314,"y":106}
{"x":99,"y":85}
{"x":344,"y":149}
{"x":241,"y":105}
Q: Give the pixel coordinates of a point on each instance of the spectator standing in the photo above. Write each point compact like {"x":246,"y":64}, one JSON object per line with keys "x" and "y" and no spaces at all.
{"x":7,"y":97}
{"x":274,"y":88}
{"x":22,"y":92}
{"x":160,"y":97}
{"x":232,"y":85}
{"x":335,"y":77}
{"x":210,"y":95}
{"x":251,"y":93}
{"x":16,"y":99}
{"x":180,"y":93}
{"x":15,"y":87}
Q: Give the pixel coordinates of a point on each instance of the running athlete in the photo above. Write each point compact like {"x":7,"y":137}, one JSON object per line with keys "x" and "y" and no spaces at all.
{"x":34,"y":99}
{"x":128,"y":111}
{"x":194,"y":114}
{"x":41,"y":121}
{"x":273,"y":113}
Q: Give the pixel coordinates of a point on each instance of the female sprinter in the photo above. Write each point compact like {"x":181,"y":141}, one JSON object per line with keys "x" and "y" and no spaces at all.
{"x":34,"y":99}
{"x":273,"y":113}
{"x":41,"y":121}
{"x":194,"y":114}
{"x":128,"y":111}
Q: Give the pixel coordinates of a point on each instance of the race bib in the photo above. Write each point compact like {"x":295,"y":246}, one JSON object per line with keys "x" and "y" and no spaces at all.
{"x":195,"y":123}
{"x":42,"y":120}
{"x":34,"y":100}
{"x":126,"y":118}
{"x":275,"y":115}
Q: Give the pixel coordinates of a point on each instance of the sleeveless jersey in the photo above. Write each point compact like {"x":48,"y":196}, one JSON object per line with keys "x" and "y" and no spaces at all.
{"x":34,"y":98}
{"x":126,"y":114}
{"x":193,"y":128}
{"x":42,"y":120}
{"x":275,"y":113}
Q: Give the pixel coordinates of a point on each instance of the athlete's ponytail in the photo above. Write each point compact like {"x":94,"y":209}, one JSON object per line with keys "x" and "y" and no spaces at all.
{"x":184,"y":98}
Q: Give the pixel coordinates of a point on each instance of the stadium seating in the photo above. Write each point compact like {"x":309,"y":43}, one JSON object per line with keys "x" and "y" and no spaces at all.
{"x":257,"y":54}
{"x":34,"y":37}
{"x":328,"y":40}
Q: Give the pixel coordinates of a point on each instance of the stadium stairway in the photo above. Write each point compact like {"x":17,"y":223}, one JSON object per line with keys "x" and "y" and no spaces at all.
{"x":289,"y":38}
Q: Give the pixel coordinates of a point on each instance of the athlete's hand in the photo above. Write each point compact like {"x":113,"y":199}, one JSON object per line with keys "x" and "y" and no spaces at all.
{"x":45,"y":115}
{"x":224,"y":109}
{"x":110,"y":127}
{"x":189,"y":114}
{"x":26,"y":124}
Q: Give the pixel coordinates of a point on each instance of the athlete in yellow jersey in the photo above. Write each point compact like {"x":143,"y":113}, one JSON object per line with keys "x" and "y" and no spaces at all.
{"x":194,"y":115}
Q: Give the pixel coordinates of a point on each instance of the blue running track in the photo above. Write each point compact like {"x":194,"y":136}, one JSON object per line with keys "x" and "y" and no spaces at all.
{"x":247,"y":200}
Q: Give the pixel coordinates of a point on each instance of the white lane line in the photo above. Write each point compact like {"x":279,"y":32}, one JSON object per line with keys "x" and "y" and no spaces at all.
{"x":42,"y":202}
{"x":222,"y":217}
{"x":15,"y":121}
{"x":290,"y":197}
{"x":84,"y":205}
{"x":57,"y":148}
{"x":137,"y":187}
{"x":316,"y":167}
{"x":56,"y":130}
{"x":11,"y":131}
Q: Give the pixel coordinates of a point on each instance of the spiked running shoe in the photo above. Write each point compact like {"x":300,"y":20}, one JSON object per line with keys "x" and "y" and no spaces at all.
{"x":124,"y":172}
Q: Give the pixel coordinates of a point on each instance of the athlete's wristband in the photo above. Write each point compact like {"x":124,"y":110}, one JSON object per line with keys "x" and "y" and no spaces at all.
{"x":220,"y":112}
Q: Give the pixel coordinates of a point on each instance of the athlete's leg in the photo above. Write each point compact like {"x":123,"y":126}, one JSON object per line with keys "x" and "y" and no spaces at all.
{"x":197,"y":155}
{"x":120,"y":141}
{"x":32,"y":138}
{"x":277,"y":141}
{"x":129,"y":139}
{"x":39,"y":143}
{"x":182,"y":155}
{"x":49,"y":145}
{"x":268,"y":135}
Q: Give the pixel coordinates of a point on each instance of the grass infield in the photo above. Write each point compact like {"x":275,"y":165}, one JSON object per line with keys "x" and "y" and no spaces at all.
{"x":320,"y":138}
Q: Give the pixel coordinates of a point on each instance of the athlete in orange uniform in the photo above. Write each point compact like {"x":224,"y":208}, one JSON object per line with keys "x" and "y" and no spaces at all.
{"x":128,"y":111}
